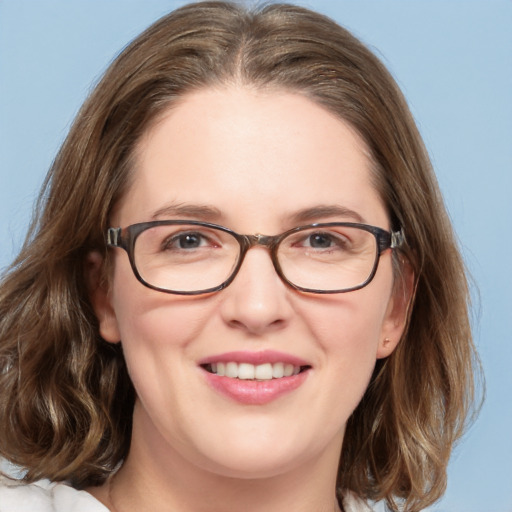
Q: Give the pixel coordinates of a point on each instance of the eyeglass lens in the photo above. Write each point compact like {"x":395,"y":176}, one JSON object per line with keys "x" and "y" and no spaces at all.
{"x":188,"y":258}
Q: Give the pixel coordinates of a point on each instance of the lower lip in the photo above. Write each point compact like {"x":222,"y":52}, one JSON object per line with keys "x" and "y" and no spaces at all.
{"x":255,"y":392}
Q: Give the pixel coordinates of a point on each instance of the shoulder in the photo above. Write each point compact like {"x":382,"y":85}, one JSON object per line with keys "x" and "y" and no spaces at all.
{"x":45,"y":496}
{"x":351,"y":503}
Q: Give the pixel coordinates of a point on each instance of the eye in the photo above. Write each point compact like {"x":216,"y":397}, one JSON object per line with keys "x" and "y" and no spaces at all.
{"x":324,"y":240}
{"x":319,"y":241}
{"x":188,"y":240}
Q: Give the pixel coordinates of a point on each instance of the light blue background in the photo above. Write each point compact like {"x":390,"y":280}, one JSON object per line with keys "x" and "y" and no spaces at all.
{"x":453,"y":60}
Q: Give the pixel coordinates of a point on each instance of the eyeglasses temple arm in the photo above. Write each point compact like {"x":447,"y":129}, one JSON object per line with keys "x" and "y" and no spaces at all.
{"x":397,"y":239}
{"x":114,"y":237}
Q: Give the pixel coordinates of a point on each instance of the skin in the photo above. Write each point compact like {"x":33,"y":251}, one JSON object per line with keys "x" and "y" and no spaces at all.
{"x":258,"y":158}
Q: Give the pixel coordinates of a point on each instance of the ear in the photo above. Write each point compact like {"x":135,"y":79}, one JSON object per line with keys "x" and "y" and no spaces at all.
{"x":100,"y":298}
{"x":397,"y":313}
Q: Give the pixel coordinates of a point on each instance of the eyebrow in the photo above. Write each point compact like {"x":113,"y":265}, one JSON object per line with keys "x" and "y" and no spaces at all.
{"x":203,"y":212}
{"x":211,"y":213}
{"x":322,"y":211}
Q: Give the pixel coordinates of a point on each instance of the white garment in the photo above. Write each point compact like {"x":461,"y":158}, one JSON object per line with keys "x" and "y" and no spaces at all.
{"x":45,"y":496}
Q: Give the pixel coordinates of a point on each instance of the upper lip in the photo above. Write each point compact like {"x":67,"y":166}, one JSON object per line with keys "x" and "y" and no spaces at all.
{"x":255,"y":358}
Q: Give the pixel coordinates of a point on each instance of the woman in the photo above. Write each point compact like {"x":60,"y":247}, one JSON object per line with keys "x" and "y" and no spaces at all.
{"x":242,"y":291}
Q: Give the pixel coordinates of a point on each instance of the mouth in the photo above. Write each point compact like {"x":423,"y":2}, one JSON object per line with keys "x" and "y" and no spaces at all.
{"x":256,"y":372}
{"x":255,"y":378}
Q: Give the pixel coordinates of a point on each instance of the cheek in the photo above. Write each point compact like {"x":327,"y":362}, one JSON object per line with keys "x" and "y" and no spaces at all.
{"x":153,"y":322}
{"x":157,"y":335}
{"x":157,"y":331}
{"x":348,"y":329}
{"x":150,"y":319}
{"x":349,"y":323}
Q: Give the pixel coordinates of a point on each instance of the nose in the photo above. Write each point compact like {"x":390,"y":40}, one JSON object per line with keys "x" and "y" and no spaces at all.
{"x":257,"y":301}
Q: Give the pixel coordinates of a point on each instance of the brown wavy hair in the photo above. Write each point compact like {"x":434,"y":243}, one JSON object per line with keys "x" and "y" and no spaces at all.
{"x":66,"y":400}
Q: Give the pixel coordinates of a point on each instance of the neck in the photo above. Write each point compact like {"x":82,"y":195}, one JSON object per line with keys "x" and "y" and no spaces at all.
{"x":250,"y":496}
{"x":164,"y":481}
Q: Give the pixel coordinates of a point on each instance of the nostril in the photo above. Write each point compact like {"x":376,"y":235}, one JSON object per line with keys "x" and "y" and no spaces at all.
{"x":257,"y":326}
{"x":236,"y":324}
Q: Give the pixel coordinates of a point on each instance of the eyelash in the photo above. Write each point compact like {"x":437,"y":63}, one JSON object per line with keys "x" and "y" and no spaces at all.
{"x":176,"y":238}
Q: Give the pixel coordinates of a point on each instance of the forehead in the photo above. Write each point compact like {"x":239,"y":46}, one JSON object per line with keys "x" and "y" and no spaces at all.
{"x":250,"y":153}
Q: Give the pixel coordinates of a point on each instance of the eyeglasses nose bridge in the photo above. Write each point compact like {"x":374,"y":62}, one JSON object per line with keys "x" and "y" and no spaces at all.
{"x":270,"y":242}
{"x":258,"y":239}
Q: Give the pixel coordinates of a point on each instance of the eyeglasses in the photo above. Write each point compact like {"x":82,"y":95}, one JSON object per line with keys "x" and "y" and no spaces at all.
{"x":191,"y":258}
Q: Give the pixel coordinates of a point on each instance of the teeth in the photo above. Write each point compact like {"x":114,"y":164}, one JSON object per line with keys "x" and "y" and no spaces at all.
{"x":247,"y":371}
{"x":263,"y":372}
{"x":231,"y":370}
{"x":278,"y":370}
{"x":288,"y":370}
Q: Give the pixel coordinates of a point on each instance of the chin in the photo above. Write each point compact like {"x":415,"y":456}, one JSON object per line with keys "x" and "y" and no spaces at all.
{"x":266,"y":455}
{"x":255,"y":466}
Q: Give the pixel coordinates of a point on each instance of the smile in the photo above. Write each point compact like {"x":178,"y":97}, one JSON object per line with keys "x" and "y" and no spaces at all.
{"x":255,"y":378}
{"x":248,"y":371}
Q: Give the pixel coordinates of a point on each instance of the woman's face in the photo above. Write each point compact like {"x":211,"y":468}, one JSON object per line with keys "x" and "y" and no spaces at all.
{"x":256,"y":162}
